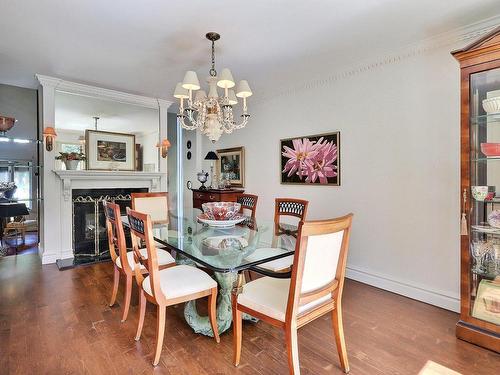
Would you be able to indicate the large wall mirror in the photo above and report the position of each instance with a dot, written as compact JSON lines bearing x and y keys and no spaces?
{"x":132,"y":133}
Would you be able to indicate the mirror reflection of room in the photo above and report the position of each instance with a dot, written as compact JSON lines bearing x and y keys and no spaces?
{"x":102,"y":134}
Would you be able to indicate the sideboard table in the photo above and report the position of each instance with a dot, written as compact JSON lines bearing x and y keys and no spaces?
{"x":214,"y":195}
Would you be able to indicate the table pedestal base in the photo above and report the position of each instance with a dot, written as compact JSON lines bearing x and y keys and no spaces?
{"x":201,"y":324}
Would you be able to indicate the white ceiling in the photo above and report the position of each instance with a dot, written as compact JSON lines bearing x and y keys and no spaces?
{"x":75,"y":113}
{"x":144,"y":47}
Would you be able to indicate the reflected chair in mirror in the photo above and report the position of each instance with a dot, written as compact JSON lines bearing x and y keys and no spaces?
{"x":248,"y":202}
{"x":289,"y":208}
{"x":123,"y":261}
{"x":168,"y":286}
{"x":154,"y":204}
{"x":315,"y":288}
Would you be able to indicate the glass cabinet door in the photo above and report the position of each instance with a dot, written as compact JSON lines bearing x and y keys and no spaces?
{"x":484,"y":237}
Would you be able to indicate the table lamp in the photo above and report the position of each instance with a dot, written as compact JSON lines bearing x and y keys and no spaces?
{"x":211,"y":156}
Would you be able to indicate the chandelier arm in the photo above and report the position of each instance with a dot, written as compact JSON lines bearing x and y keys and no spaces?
{"x":243,"y":123}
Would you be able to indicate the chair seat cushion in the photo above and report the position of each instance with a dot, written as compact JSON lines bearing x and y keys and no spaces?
{"x":181,"y":281}
{"x":164,"y":258}
{"x":269,"y":296}
{"x":274,"y":265}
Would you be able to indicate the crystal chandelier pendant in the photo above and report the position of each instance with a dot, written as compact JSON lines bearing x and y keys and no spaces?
{"x":212,"y":114}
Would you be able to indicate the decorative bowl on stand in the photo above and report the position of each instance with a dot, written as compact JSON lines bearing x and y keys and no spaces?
{"x":221,"y":214}
{"x":221,"y":210}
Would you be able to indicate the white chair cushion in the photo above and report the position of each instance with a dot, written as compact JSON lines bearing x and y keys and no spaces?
{"x":164,"y":258}
{"x":274,"y":265}
{"x":181,"y":281}
{"x":269,"y":296}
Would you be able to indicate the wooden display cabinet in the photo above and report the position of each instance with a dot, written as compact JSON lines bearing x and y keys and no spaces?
{"x":480,"y":245}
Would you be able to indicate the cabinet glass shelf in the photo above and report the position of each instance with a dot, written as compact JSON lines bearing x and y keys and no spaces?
{"x":485,"y":120}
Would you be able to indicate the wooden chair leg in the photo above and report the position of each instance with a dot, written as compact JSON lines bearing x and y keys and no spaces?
{"x":338,"y":330}
{"x":162,"y":313}
{"x":237,"y":332}
{"x":116,"y":281}
{"x":142,"y":313}
{"x":212,"y":314}
{"x":292,"y":349}
{"x":128,"y":295}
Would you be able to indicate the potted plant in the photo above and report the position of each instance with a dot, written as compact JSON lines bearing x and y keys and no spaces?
{"x":71,"y":159}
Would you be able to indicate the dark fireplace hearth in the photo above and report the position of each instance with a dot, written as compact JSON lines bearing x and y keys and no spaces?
{"x":90,"y":243}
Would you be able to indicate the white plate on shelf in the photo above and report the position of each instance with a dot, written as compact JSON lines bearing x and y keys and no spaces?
{"x":485,"y":229}
{"x":221,"y":223}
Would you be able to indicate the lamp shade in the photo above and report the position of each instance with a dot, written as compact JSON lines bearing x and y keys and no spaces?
{"x":200,"y":96}
{"x":180,"y":92}
{"x":49,"y":131}
{"x":164,"y":143}
{"x":211,"y":156}
{"x":212,"y":92}
{"x":190,"y":81}
{"x":233,"y":100}
{"x":243,"y":89}
{"x":226,"y":80}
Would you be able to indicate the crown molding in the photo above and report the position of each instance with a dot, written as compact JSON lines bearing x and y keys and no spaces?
{"x":460,"y":35}
{"x":100,"y":92}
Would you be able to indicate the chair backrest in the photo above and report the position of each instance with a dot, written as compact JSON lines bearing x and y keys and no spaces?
{"x":141,"y":231}
{"x":116,"y":235}
{"x":153,"y":204}
{"x":249,"y":202}
{"x":288,"y":207}
{"x":319,"y":263}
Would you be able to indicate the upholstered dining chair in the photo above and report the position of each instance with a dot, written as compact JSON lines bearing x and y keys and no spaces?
{"x":248,"y":202}
{"x":123,"y":261}
{"x":153,"y":204}
{"x":166,"y":287}
{"x":315,"y":288}
{"x":283,"y":207}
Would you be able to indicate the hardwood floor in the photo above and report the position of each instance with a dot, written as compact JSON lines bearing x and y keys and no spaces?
{"x":54,"y":322}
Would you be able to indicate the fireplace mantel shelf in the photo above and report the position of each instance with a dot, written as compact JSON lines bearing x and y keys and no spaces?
{"x":67,"y":176}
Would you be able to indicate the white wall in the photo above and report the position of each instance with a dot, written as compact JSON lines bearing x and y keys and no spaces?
{"x":399,"y":125}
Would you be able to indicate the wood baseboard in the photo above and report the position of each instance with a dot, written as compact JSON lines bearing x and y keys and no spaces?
{"x":477,"y":336}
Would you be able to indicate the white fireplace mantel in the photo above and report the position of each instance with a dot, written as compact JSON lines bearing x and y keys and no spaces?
{"x":68,"y":178}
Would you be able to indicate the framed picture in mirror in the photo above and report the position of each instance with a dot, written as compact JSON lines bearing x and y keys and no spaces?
{"x":110,"y":151}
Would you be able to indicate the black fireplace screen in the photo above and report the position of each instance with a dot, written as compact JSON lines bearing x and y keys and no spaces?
{"x":89,"y":222}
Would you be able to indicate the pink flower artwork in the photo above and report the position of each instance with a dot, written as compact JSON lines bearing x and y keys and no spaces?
{"x":311,"y":160}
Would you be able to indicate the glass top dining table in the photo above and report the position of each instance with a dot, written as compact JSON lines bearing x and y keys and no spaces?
{"x":226,"y":251}
{"x":223,"y":249}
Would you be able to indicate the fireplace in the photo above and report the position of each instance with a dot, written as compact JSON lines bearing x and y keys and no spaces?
{"x":89,"y":223}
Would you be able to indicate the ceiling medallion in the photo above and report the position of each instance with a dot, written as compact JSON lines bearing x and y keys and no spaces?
{"x":212,"y":114}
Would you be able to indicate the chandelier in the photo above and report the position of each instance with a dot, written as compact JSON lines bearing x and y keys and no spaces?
{"x":212,"y":114}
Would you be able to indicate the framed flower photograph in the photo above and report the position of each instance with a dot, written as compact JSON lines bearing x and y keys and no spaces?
{"x":231,"y":165}
{"x":110,"y":151}
{"x":311,"y":160}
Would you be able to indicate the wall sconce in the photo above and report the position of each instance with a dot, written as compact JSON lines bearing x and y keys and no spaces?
{"x":49,"y":135}
{"x":164,"y":145}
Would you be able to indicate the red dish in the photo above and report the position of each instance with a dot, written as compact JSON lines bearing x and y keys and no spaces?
{"x":490,"y":149}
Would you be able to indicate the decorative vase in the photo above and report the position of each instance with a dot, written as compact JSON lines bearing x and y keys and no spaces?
{"x":71,"y":165}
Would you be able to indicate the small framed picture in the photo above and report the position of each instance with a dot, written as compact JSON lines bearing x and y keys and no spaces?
{"x":231,"y":165}
{"x":110,"y":151}
{"x":311,"y":160}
